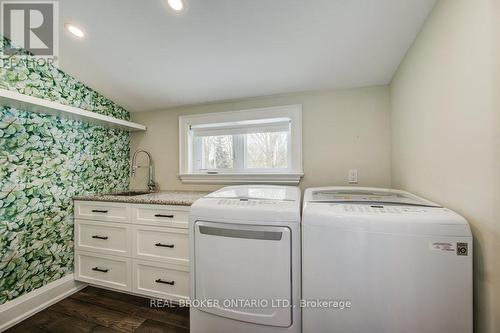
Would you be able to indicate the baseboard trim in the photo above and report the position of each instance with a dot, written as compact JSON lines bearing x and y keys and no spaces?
{"x":17,"y":310}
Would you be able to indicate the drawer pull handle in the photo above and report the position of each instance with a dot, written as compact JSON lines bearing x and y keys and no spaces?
{"x":165,"y":245}
{"x":105,"y":270}
{"x":99,"y":211}
{"x":100,"y":237}
{"x":165,"y":282}
{"x":164,"y":215}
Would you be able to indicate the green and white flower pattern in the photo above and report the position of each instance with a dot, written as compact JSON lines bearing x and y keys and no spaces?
{"x":44,"y":162}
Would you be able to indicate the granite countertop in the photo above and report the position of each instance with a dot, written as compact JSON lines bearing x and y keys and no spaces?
{"x":179,"y":198}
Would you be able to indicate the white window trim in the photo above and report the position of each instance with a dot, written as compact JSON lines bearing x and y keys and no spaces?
{"x":292,"y":176}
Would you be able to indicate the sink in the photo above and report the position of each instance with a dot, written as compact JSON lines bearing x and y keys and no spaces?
{"x":130,"y":193}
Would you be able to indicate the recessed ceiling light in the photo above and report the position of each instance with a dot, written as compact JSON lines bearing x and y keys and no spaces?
{"x":176,"y":5}
{"x":75,"y":30}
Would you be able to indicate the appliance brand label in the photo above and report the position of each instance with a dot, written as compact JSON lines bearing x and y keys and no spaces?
{"x":443,"y":246}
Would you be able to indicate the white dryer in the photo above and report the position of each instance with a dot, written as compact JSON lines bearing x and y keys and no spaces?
{"x":245,"y":260}
{"x":394,"y":262}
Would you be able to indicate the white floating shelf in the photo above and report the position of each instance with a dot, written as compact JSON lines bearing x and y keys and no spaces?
{"x":35,"y":104}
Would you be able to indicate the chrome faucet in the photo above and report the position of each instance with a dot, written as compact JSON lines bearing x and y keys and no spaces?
{"x":133,"y":167}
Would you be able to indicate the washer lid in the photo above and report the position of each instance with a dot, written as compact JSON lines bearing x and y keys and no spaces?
{"x":387,"y":219}
{"x":379,"y":210}
{"x":256,"y":192}
{"x":365,"y":195}
{"x":251,"y":204}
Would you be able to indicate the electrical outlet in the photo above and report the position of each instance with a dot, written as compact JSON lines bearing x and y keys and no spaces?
{"x":352,"y":176}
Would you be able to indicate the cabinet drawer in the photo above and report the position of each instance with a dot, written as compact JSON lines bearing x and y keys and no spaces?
{"x":102,"y":211}
{"x":104,"y":270}
{"x":166,"y":216}
{"x":161,"y":280}
{"x":161,"y":244}
{"x":103,"y":237}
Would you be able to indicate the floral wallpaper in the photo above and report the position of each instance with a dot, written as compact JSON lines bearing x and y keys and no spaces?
{"x":45,"y":161}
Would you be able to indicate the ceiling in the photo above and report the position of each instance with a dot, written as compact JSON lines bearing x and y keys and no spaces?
{"x":145,"y":57}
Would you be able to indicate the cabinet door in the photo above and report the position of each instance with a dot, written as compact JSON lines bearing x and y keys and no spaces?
{"x":102,"y":211}
{"x":239,"y":263}
{"x":103,"y":270}
{"x":161,"y":244}
{"x":165,"y":216}
{"x":103,"y":237}
{"x":160,"y":280}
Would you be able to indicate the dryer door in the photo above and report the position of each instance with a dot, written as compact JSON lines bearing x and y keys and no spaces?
{"x":245,"y":270}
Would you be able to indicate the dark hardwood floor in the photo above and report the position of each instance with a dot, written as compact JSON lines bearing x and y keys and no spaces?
{"x":99,"y":310}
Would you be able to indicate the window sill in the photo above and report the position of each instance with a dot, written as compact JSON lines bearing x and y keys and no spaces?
{"x":242,"y":178}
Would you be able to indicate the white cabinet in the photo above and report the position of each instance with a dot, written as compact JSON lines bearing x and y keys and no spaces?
{"x":102,"y":211}
{"x":168,"y":245}
{"x":160,"y":280}
{"x":164,"y":216}
{"x":137,"y":248}
{"x":108,"y":237}
{"x":104,"y":270}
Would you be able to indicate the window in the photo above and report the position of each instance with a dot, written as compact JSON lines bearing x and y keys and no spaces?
{"x":247,"y":145}
{"x":259,"y":145}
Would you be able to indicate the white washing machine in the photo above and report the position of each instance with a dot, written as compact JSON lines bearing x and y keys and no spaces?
{"x":245,"y":260}
{"x":392,"y":262}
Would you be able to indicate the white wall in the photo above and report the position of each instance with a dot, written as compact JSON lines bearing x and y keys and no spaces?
{"x":445,"y":131}
{"x":341,"y":130}
{"x":445,"y":125}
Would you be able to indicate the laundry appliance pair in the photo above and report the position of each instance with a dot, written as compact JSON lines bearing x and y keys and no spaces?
{"x":351,"y":260}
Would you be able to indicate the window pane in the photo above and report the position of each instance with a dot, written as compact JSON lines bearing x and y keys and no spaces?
{"x":267,"y":150}
{"x":216,"y":152}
